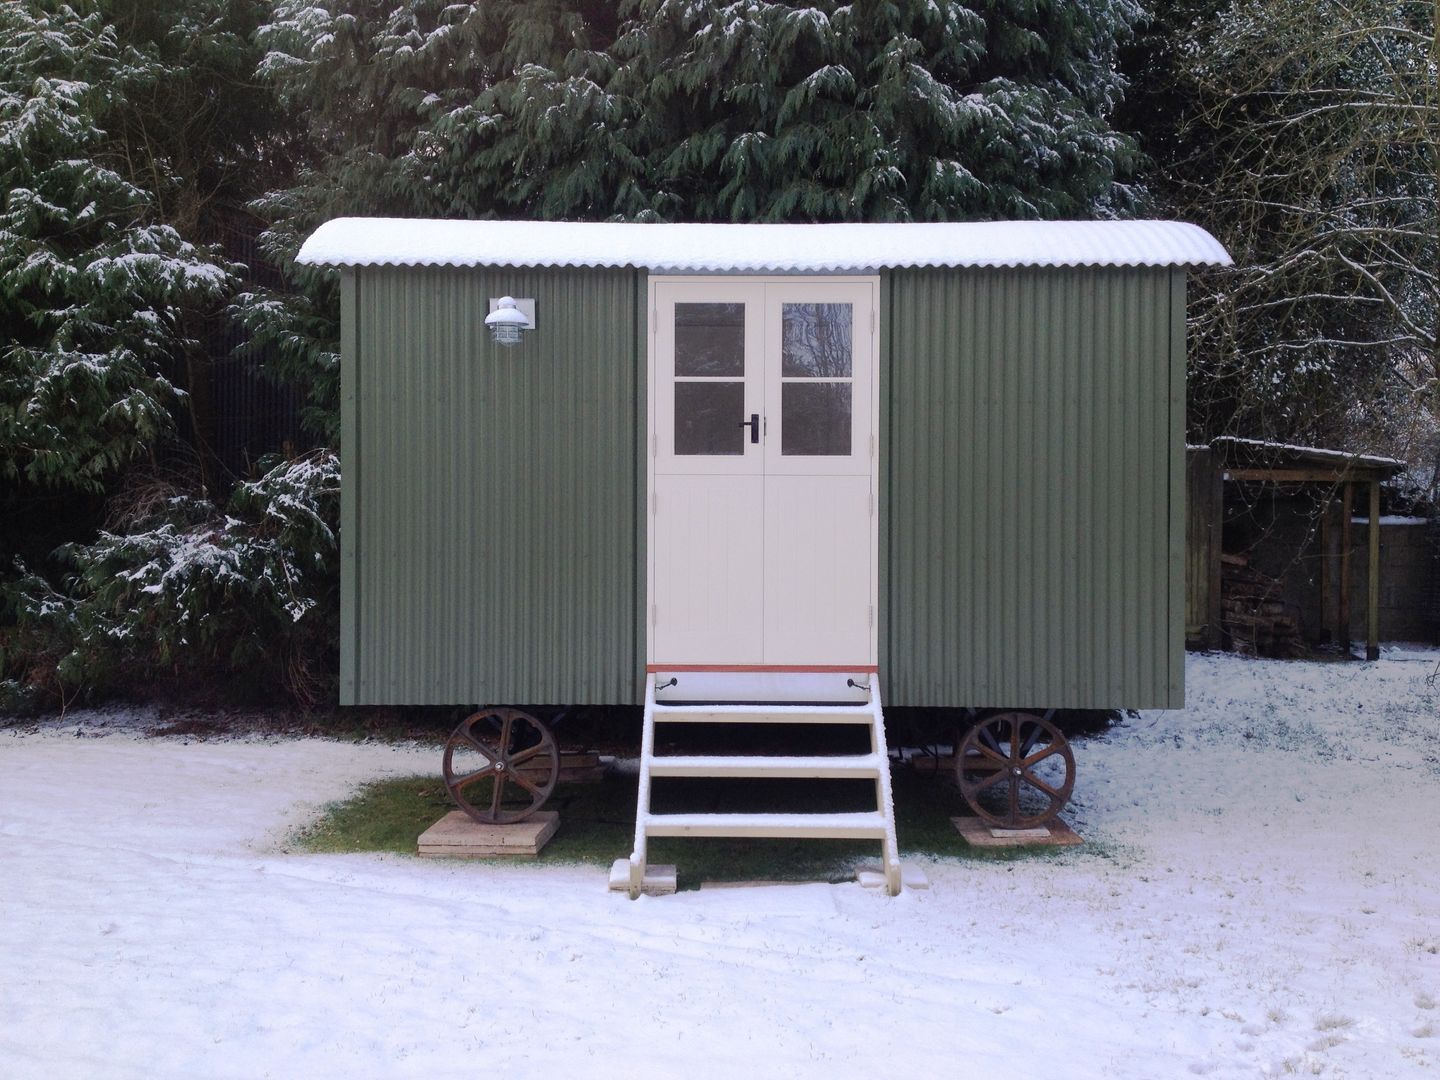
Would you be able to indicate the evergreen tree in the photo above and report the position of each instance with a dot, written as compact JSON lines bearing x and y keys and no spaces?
{"x":710,"y":110}
{"x":95,"y":290}
{"x":756,"y":111}
{"x":132,"y":133}
{"x":701,"y":110}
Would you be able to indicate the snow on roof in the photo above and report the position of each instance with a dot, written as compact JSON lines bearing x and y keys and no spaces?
{"x":759,"y":248}
{"x":1279,"y":449}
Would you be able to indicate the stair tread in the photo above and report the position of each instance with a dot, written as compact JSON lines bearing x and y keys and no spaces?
{"x":776,"y":759}
{"x":858,"y":764}
{"x":859,"y":817}
{"x":861,"y":825}
{"x":764,"y":706}
{"x":769,"y":714}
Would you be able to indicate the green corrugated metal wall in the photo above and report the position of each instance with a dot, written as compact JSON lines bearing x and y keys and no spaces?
{"x":492,"y":514}
{"x":1032,"y":486}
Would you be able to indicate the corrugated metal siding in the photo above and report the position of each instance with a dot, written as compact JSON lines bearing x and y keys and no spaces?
{"x":494,"y":499}
{"x":1032,"y":444}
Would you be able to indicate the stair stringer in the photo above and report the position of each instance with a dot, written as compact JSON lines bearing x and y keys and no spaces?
{"x":878,"y":825}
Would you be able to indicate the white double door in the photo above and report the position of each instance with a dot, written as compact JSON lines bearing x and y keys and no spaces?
{"x":762,"y":487}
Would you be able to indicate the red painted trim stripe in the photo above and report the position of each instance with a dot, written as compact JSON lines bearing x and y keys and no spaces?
{"x":797,"y":669}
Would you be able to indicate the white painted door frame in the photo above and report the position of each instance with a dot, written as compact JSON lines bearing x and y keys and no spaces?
{"x":767,"y":293}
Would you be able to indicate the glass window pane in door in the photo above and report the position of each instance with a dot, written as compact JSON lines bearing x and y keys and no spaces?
{"x":710,"y":339}
{"x":815,"y":419}
{"x":708,"y":416}
{"x":816,"y":340}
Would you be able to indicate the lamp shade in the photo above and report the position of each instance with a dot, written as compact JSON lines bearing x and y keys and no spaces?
{"x":506,"y":321}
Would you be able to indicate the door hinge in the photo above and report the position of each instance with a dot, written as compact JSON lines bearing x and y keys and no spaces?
{"x":872,"y":614}
{"x":652,"y":614}
{"x":654,"y":502}
{"x":655,"y":445}
{"x":874,"y":321}
{"x":872,"y":504}
{"x":655,"y":319}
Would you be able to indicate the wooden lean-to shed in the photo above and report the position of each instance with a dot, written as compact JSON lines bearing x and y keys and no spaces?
{"x":763,"y":462}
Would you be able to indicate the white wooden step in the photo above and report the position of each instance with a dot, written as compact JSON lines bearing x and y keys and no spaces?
{"x":861,"y":826}
{"x":758,"y":708}
{"x":761,"y":714}
{"x":857,"y":766}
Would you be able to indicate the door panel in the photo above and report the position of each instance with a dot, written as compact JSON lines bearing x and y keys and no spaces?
{"x":817,"y":569}
{"x":709,"y":598}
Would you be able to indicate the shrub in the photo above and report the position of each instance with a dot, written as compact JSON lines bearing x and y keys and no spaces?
{"x":181,"y":592}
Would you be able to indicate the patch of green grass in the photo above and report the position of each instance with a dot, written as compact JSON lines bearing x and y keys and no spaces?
{"x":597,"y":823}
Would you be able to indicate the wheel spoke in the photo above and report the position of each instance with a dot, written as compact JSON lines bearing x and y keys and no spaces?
{"x":1034,"y":781}
{"x":993,"y":755}
{"x":461,"y":781}
{"x":1039,"y":756}
{"x":480,"y":747}
{"x":520,"y":779}
{"x":987,"y":738}
{"x":1014,"y":798}
{"x":989,"y":782}
{"x":497,"y":795}
{"x":1015,"y":754}
{"x":1029,"y":744}
{"x":526,"y":755}
{"x":505,"y":726}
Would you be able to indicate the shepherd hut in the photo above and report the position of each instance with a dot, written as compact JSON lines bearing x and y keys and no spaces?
{"x":757,"y":472}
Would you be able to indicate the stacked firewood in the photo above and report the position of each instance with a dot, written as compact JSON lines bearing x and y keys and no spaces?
{"x":1255,"y":619}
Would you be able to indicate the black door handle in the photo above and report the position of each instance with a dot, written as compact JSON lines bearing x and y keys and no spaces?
{"x":754,"y":425}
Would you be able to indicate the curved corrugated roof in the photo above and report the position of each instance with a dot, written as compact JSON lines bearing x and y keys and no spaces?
{"x":672,"y":248}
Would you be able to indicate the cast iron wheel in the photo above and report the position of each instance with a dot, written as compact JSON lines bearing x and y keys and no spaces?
{"x":1015,"y":770}
{"x":501,"y":765}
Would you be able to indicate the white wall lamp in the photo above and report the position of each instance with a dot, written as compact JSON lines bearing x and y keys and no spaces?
{"x":508,"y":317}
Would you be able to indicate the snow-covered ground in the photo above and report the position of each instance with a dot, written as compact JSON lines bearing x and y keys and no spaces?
{"x":1260,"y":897}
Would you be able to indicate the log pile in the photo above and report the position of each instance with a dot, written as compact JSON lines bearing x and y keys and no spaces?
{"x":1255,"y":619}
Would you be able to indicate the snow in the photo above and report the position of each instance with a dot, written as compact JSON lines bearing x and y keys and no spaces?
{"x":670,"y":248}
{"x":1256,"y":897}
{"x":1309,"y":451}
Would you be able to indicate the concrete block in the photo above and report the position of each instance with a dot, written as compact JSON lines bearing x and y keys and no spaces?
{"x":911,"y":877}
{"x":457,"y":835}
{"x":660,"y":880}
{"x":980,"y":833}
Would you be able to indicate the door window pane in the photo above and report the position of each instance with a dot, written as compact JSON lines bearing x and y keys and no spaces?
{"x":710,"y":339}
{"x":815,"y":341}
{"x":708,"y":417}
{"x":815,"y":419}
